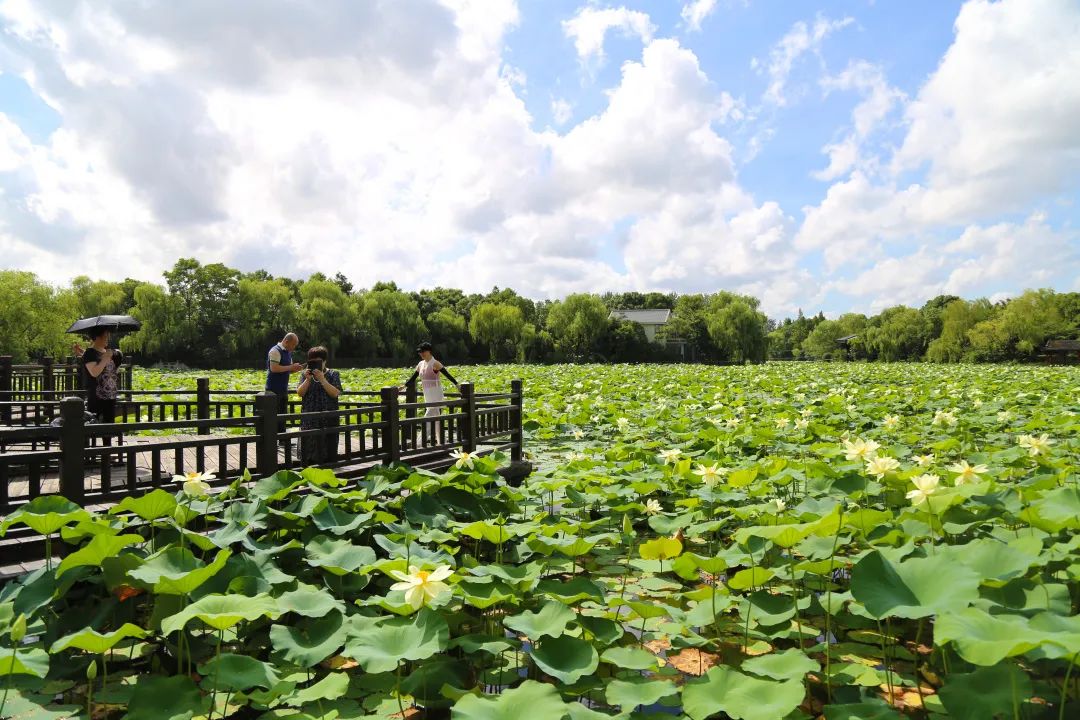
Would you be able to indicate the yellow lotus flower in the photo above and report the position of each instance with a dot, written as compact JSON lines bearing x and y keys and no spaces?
{"x":653,"y":507}
{"x":1035,"y":445}
{"x":802,"y":424}
{"x":732,"y":422}
{"x":670,"y":457}
{"x":859,"y":449}
{"x":881,"y":466}
{"x":891,"y":421}
{"x":967,"y":473}
{"x":923,"y":460}
{"x":463,"y":459}
{"x":925,"y":486}
{"x":578,"y":434}
{"x":195,"y":483}
{"x":1004,"y":416}
{"x":422,"y":586}
{"x":779,"y":504}
{"x":781,"y":422}
{"x":710,"y":474}
{"x":623,"y":423}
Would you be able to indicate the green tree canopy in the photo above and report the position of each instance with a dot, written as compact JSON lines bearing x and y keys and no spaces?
{"x":576,"y":323}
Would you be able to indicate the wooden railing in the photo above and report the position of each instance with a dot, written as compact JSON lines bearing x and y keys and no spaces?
{"x":93,"y":464}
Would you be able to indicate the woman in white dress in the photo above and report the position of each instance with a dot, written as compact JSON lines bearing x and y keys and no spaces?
{"x":428,"y":370}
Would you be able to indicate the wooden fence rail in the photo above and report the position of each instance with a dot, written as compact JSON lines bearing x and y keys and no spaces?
{"x":96,"y":464}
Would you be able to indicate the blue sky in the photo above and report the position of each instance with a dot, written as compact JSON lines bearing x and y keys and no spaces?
{"x":848,"y":155}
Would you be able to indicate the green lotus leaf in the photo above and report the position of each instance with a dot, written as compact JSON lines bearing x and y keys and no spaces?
{"x":330,"y":687}
{"x":28,"y":661}
{"x":483,"y":595}
{"x":742,"y":697}
{"x":742,"y":477}
{"x":97,"y":551}
{"x":986,"y":693}
{"x":878,"y":710}
{"x":309,"y":601}
{"x":176,"y":571}
{"x":630,"y":658}
{"x":1063,"y":635}
{"x":638,"y":691}
{"x":310,"y":641}
{"x":572,"y":591}
{"x":526,"y":574}
{"x":489,"y":531}
{"x":791,"y":664}
{"x":381,"y":647}
{"x":334,"y":520}
{"x":278,"y":486}
{"x":663,"y":548}
{"x":994,"y":560}
{"x":766,"y":608}
{"x":237,"y":672}
{"x":490,"y":644}
{"x":1056,"y":510}
{"x":750,"y":577}
{"x":984,"y":639}
{"x":602,"y":630}
{"x":533,"y":700}
{"x":425,"y":683}
{"x":550,"y":621}
{"x":221,"y":612}
{"x":45,"y":515}
{"x":914,"y":588}
{"x":154,"y":505}
{"x":92,"y":641}
{"x":565,"y":658}
{"x":338,"y":556}
{"x":166,"y":698}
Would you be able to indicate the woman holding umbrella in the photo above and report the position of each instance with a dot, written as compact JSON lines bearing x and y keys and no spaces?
{"x":100,"y":375}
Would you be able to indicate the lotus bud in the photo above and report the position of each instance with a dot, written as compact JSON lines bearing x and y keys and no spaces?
{"x":91,"y":671}
{"x":18,"y":629}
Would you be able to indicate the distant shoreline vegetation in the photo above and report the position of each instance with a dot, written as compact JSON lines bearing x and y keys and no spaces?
{"x":214,"y":316}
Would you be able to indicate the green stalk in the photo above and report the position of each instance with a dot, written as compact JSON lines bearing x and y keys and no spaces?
{"x":1065,"y":686}
{"x":397,"y":690}
{"x":7,"y":685}
{"x":217,"y":671}
{"x":828,"y":612}
{"x":795,"y":595}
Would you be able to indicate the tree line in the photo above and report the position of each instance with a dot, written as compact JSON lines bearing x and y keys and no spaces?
{"x":211,"y":315}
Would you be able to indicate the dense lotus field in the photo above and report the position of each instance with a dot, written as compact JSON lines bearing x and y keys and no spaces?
{"x":781,"y":541}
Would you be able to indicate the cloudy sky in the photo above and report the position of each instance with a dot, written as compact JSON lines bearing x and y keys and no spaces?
{"x":845,"y":155}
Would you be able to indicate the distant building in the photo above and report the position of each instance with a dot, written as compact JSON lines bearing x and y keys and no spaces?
{"x":1062,"y":351}
{"x":650,"y":320}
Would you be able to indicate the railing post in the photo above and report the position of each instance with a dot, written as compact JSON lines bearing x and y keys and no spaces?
{"x":48,"y":380}
{"x":266,"y":427}
{"x":5,"y":389}
{"x":202,"y":404}
{"x":468,"y":424}
{"x":410,"y":397}
{"x":72,"y":450}
{"x":516,"y":434}
{"x":389,"y":398}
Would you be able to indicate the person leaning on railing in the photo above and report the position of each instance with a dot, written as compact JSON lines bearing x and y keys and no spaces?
{"x":319,"y":390}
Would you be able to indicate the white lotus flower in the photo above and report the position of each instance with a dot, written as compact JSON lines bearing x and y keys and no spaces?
{"x":881,"y":466}
{"x":944,"y":417}
{"x":923,"y":460}
{"x":195,"y":484}
{"x":732,"y":422}
{"x":859,"y":449}
{"x":710,"y":474}
{"x":653,"y":507}
{"x":1004,"y":416}
{"x":463,"y":459}
{"x":891,"y":421}
{"x":1035,"y":445}
{"x":422,"y":586}
{"x":806,"y":412}
{"x":779,"y":504}
{"x":670,"y":457}
{"x":781,"y":422}
{"x":802,"y":424}
{"x":967,"y":473}
{"x":925,"y":486}
{"x":623,"y":423}
{"x":578,"y":433}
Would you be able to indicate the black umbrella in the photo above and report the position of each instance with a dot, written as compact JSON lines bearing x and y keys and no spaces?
{"x":116,"y":323}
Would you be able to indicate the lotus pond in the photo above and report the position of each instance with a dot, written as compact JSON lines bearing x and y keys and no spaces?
{"x":783,"y":541}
